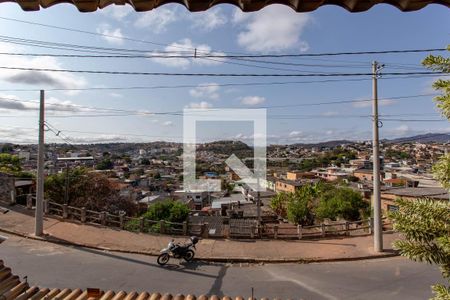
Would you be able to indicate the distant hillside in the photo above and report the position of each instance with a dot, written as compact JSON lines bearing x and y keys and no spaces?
{"x":424,"y":138}
{"x":227,"y":147}
{"x":327,"y":144}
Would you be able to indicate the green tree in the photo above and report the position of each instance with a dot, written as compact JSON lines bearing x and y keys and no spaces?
{"x":425,"y":225}
{"x":90,"y":190}
{"x":105,"y":164}
{"x":300,"y":204}
{"x":441,"y":171}
{"x":441,"y":64}
{"x":341,"y":202}
{"x":11,"y":164}
{"x":279,"y":202}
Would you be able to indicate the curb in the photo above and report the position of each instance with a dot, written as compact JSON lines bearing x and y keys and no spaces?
{"x":250,"y":260}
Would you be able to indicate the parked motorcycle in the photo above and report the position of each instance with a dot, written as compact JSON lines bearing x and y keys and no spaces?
{"x":177,"y":250}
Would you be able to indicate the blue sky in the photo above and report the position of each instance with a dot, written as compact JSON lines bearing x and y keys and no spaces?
{"x":223,"y":29}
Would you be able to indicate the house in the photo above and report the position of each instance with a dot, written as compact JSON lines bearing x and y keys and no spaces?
{"x":200,"y":198}
{"x":297,"y":175}
{"x":331,"y":174}
{"x":411,"y":193}
{"x":287,"y":186}
{"x":365,"y":174}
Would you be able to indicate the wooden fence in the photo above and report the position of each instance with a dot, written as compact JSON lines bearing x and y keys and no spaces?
{"x":208,"y":226}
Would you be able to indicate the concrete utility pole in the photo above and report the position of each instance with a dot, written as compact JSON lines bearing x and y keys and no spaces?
{"x":39,"y":227}
{"x":376,"y":201}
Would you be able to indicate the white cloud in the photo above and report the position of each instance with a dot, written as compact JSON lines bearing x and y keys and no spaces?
{"x":200,"y":105}
{"x":295,"y":133}
{"x":156,"y":20}
{"x":274,"y":28}
{"x":36,"y":78}
{"x":206,"y":91}
{"x":330,"y":113}
{"x":208,"y":20}
{"x":368,"y":103}
{"x":252,"y":100}
{"x":112,"y":36}
{"x":180,"y":48}
{"x":167,"y":123}
{"x":116,"y":95}
{"x":12,"y":102}
{"x":402,"y":128}
{"x":117,"y":12}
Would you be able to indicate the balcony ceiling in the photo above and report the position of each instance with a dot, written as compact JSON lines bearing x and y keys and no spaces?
{"x":245,"y":5}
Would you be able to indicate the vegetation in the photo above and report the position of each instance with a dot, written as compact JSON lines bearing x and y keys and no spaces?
{"x":337,"y":157}
{"x":425,"y":225}
{"x":319,"y":201}
{"x":105,"y":164}
{"x":342,"y":203}
{"x":11,"y":164}
{"x":170,"y":210}
{"x":90,"y":190}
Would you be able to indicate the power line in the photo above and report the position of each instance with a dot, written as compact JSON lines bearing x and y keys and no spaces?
{"x":214,"y":74}
{"x":219,"y":85}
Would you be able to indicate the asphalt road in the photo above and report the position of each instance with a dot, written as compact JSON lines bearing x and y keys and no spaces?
{"x":57,"y":266}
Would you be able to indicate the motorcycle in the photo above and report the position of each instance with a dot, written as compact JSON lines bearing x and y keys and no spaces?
{"x":177,"y":250}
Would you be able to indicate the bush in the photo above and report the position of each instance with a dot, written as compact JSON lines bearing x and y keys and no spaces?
{"x":341,"y":202}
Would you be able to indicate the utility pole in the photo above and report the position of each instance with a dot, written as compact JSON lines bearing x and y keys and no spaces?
{"x":376,"y":201}
{"x":39,"y":226}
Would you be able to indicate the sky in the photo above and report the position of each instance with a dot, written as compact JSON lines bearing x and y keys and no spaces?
{"x":296,"y":112}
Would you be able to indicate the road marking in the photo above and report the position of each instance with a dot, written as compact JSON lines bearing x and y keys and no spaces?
{"x":306,"y":286}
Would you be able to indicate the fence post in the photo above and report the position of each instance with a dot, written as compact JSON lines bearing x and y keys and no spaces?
{"x":370,"y":225}
{"x":185,"y":228}
{"x":205,"y":233}
{"x":46,"y":210}
{"x":83,"y":215}
{"x":13,"y":197}
{"x":29,"y":201}
{"x":162,"y":226}
{"x":121,"y":219}
{"x":275,"y":231}
{"x":323,"y":230}
{"x":300,"y":231}
{"x":65,"y":211}
{"x":103,"y":218}
{"x":252,"y":231}
{"x":141,"y":224}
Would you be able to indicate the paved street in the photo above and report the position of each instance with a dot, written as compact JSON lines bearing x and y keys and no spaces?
{"x":52,"y":265}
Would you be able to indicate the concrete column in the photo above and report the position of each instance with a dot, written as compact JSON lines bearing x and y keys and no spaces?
{"x":122,"y":220}
{"x":65,"y":211}
{"x":29,"y":202}
{"x":141,"y":224}
{"x":13,"y":197}
{"x":46,"y":210}
{"x":83,"y":215}
{"x":205,"y":233}
{"x":162,"y":226}
{"x":323,"y":230}
{"x":300,"y":231}
{"x":185,"y":228}
{"x":103,"y":218}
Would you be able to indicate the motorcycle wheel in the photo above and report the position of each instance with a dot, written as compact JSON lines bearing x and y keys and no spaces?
{"x":189,"y":255}
{"x":163,"y":259}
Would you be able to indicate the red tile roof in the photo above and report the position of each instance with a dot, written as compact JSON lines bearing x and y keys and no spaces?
{"x":245,"y":5}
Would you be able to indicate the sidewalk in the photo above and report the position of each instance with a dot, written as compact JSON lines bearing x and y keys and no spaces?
{"x":21,"y":221}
